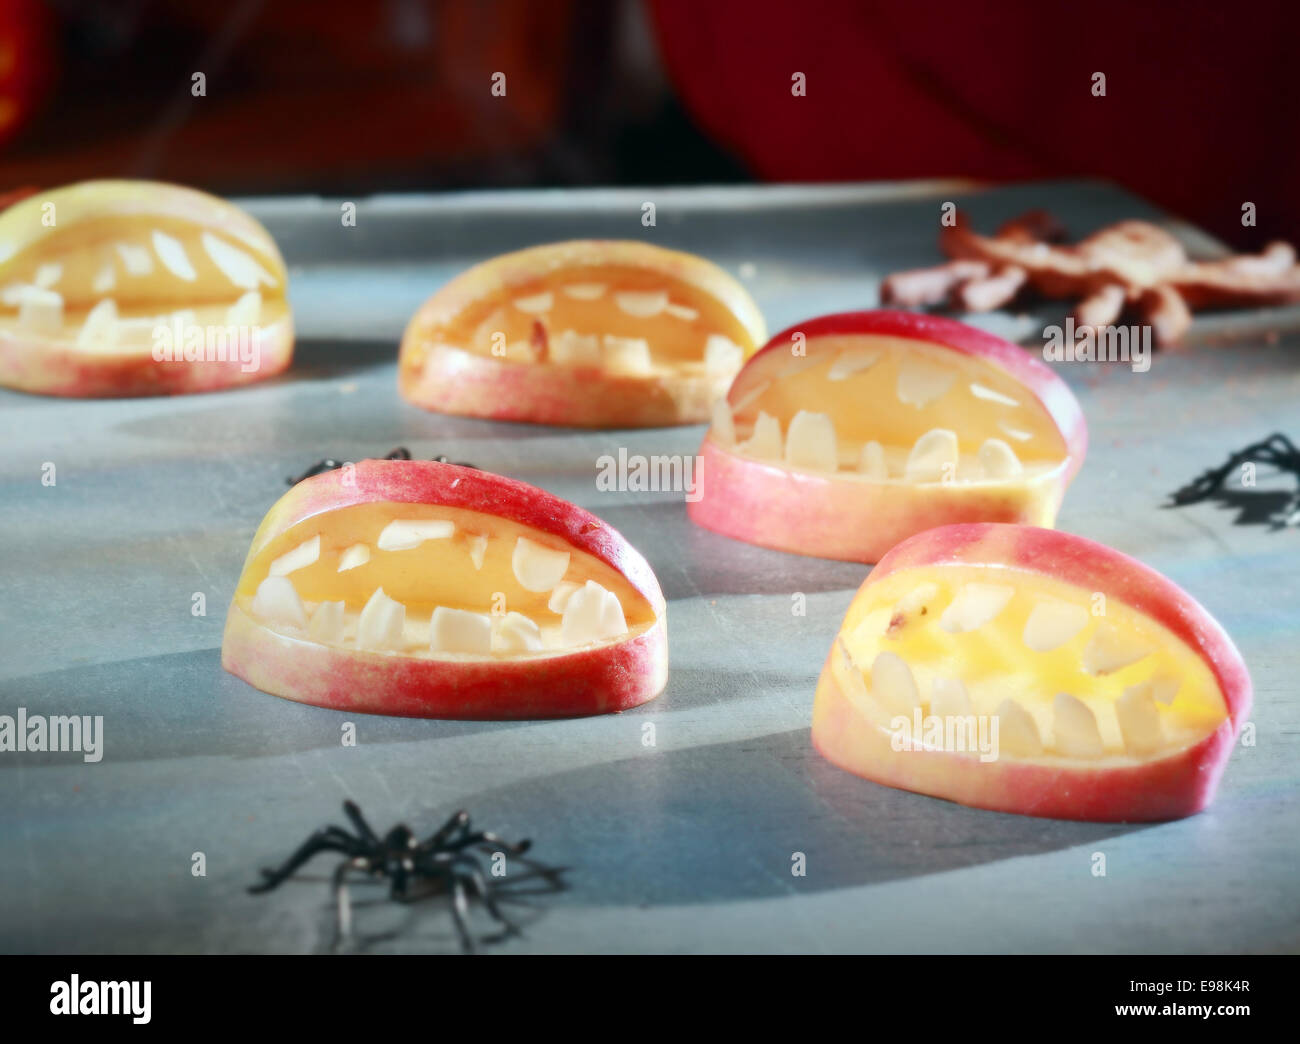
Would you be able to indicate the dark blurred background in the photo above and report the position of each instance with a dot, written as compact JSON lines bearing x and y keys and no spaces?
{"x":349,"y":98}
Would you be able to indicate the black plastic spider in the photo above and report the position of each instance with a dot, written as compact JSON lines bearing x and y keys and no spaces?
{"x":1276,"y":451}
{"x":330,"y":464}
{"x":446,"y":860}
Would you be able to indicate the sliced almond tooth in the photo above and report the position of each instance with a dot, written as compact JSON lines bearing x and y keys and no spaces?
{"x":135,"y":259}
{"x":171,"y":252}
{"x":404,"y":534}
{"x":1111,"y":649}
{"x":810,"y":442}
{"x":765,"y":442}
{"x":1164,"y":687}
{"x":584,"y":291}
{"x":356,"y":555}
{"x":641,"y":303}
{"x":872,"y":463}
{"x":516,"y":633}
{"x":240,"y":267}
{"x":921,"y":383}
{"x":246,"y":311}
{"x":999,"y":460}
{"x":41,"y":311}
{"x":974,"y":605}
{"x":917,"y":598}
{"x":105,"y":279}
{"x":850,"y":677}
{"x":724,"y":425}
{"x":1017,"y":731}
{"x":1074,"y":728}
{"x":949,"y":698}
{"x":381,"y":623}
{"x":12,"y":295}
{"x":933,"y":458}
{"x":722,"y":354}
{"x":561,"y":595}
{"x":477,"y":549}
{"x":460,"y":631}
{"x":592,"y":614}
{"x":536,"y":304}
{"x":100,"y":328}
{"x":537,"y":567}
{"x":48,"y":274}
{"x":678,"y":311}
{"x":1013,"y":432}
{"x":1139,"y":719}
{"x":892,"y":683}
{"x":629,"y":356}
{"x":570,"y":348}
{"x":1052,"y":623}
{"x":989,"y":395}
{"x":300,"y":557}
{"x":327,"y":623}
{"x":277,"y":602}
{"x":853,"y":360}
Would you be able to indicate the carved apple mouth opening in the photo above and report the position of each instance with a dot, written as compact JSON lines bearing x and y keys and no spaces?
{"x":107,"y":285}
{"x":1067,"y":687}
{"x":620,"y":320}
{"x":889,"y":410}
{"x":433,"y":582}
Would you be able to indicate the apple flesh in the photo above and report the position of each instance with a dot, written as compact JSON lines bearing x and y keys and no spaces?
{"x":478,"y":597}
{"x":589,"y":333}
{"x":121,"y":288}
{"x":888,"y":424}
{"x":1114,"y":694}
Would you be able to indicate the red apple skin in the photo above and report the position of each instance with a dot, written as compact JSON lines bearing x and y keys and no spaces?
{"x":1170,"y":787}
{"x":449,"y":379}
{"x":43,"y":366}
{"x":765,"y":504}
{"x":597,"y":680}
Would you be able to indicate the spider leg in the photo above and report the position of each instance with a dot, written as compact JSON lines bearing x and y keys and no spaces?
{"x":485,"y":839}
{"x":460,"y":914}
{"x":458,"y":821}
{"x":331,"y":839}
{"x":359,"y":821}
{"x":343,"y":900}
{"x":474,"y":874}
{"x":400,"y":882}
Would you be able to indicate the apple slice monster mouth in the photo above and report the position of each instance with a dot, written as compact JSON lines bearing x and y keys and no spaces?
{"x":426,"y":589}
{"x":117,"y":288}
{"x":1114,"y":694}
{"x":588,"y":333}
{"x":886,"y":424}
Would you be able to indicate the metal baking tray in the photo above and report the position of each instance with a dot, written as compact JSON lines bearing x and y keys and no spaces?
{"x":686,"y":845}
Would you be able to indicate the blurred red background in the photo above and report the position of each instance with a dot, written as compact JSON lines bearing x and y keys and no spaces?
{"x":1199,"y":113}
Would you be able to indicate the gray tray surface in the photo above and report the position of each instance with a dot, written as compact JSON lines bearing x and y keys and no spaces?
{"x":683,"y":846}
